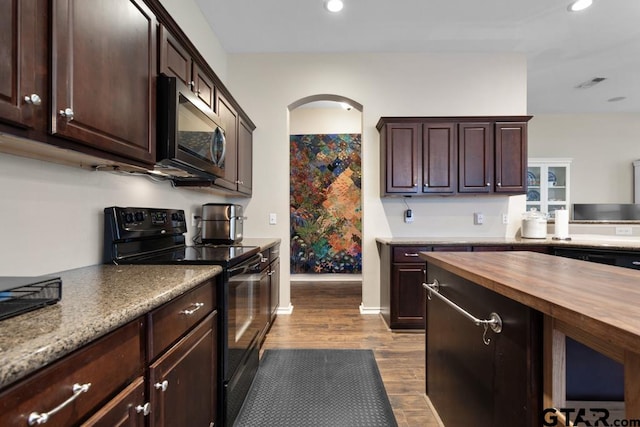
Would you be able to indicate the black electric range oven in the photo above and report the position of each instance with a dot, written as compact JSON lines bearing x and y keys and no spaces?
{"x":156,"y":236}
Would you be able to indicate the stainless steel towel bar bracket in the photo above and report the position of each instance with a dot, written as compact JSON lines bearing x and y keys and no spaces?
{"x":494,"y":322}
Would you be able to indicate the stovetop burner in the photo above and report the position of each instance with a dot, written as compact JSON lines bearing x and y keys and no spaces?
{"x":156,"y":236}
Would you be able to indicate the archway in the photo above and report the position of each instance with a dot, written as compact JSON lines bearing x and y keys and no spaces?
{"x":325,"y":188}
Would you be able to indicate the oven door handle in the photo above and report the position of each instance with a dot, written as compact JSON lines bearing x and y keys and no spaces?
{"x":252,"y":263}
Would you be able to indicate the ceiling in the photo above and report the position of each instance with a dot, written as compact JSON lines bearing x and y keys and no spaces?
{"x":563,"y":49}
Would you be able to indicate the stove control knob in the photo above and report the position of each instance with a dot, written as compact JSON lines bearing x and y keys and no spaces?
{"x":128,"y":217}
{"x":139,"y":216}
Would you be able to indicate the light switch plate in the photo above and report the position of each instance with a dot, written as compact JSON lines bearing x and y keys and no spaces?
{"x":273,"y":219}
{"x":478,"y":218}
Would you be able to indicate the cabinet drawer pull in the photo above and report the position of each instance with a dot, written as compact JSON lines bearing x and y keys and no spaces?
{"x":635,"y":262}
{"x":411,"y":255}
{"x":36,"y":418}
{"x":162,"y":386}
{"x":197,"y":306}
{"x":144,"y":409}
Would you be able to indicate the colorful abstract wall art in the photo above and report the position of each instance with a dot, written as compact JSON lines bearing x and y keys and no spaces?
{"x":326,"y":212}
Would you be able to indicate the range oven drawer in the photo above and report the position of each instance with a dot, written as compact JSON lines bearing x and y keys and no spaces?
{"x":171,"y":321}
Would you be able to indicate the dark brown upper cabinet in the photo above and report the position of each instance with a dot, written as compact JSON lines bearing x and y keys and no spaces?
{"x":175,"y":60}
{"x":423,"y":156}
{"x":239,"y":149}
{"x":23,"y":62}
{"x":511,"y":157}
{"x":439,"y":158}
{"x":245,"y":157}
{"x":399,"y":157}
{"x":229,"y":118}
{"x":476,"y":157}
{"x":103,"y":76}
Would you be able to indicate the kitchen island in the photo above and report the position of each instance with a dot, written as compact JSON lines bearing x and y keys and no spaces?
{"x":592,"y":303}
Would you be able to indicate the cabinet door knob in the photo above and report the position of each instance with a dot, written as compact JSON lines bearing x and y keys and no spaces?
{"x":499,"y":184}
{"x":192,"y":83}
{"x":67,"y":113}
{"x":33,"y":99}
{"x":488,"y":184}
{"x":144,"y":409}
{"x":162,"y":386}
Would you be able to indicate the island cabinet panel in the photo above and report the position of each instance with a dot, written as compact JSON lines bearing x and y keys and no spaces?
{"x":469,"y":382}
{"x":103,"y":76}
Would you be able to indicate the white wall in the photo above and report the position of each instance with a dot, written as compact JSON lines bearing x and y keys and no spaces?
{"x":51,"y":216}
{"x":603,"y":148}
{"x":303,"y":121}
{"x":386,"y":85}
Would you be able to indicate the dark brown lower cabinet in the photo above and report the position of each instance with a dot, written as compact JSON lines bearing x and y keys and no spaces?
{"x":183,"y":380}
{"x":473,"y":383}
{"x":407,"y":297}
{"x":127,"y":409}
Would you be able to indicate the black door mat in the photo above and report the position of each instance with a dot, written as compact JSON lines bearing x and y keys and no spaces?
{"x":305,"y":388}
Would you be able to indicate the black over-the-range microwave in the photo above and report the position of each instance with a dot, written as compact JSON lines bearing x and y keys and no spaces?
{"x":191,"y":139}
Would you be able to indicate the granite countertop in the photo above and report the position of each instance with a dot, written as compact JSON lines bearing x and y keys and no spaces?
{"x":263,"y":242}
{"x":95,"y":300}
{"x":577,"y":241}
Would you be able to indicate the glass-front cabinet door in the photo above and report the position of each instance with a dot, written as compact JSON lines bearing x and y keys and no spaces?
{"x":548,"y":185}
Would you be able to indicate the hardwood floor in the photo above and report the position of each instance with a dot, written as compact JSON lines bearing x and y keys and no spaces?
{"x":326,"y":315}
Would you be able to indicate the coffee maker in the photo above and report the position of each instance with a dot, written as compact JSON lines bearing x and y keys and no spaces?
{"x":222,"y":223}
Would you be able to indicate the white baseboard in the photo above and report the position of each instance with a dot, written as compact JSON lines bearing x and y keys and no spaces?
{"x":285,"y":310}
{"x":369,"y":310}
{"x":328,"y":277}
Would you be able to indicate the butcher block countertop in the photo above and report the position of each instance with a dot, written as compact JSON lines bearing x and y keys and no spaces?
{"x":95,"y":300}
{"x":600,"y":300}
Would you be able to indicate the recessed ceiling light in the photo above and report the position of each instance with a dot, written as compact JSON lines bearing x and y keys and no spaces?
{"x":333,"y":5}
{"x":578,"y":5}
{"x":617,"y":98}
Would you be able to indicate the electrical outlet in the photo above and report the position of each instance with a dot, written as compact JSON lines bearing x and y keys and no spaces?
{"x":478,"y":218}
{"x":273,"y":219}
{"x":505,"y":219}
{"x":408,"y":216}
{"x":624,"y":231}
